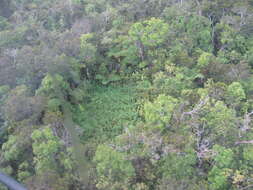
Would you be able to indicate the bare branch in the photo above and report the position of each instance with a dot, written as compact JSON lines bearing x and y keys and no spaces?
{"x":246,"y":122}
{"x":247,"y":187}
{"x":244,"y":142}
{"x":196,"y":109}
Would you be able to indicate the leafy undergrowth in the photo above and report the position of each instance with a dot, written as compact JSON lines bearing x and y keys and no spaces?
{"x":107,"y":112}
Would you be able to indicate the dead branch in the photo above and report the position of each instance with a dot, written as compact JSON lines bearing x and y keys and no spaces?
{"x":196,"y":109}
{"x":244,"y":142}
{"x":246,"y":123}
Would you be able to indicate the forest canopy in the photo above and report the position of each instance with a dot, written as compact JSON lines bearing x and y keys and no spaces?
{"x":127,"y":94}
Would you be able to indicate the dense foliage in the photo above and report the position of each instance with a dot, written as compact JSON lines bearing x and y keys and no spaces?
{"x":127,"y":94}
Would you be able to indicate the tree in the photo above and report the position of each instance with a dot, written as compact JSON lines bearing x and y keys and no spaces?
{"x":160,"y":112}
{"x":19,"y":106}
{"x":222,"y":168}
{"x":113,"y":169}
{"x":141,"y":47}
{"x":235,"y":94}
{"x":51,"y":158}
